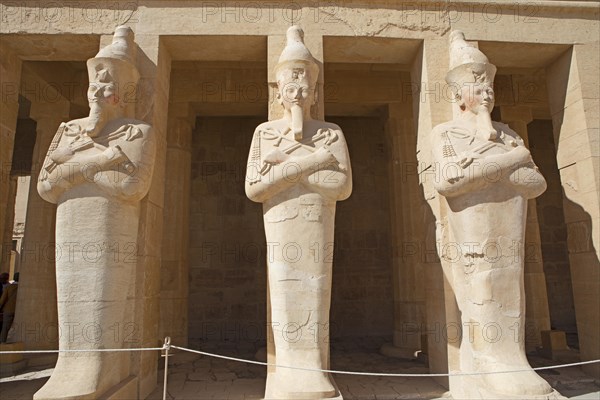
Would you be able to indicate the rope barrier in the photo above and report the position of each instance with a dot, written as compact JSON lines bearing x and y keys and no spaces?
{"x":167,"y":346}
{"x":79,"y":350}
{"x":332,"y":371}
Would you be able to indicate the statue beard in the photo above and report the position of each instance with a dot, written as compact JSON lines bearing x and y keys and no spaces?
{"x":96,"y":120}
{"x":297,"y":121}
{"x":484,"y":124}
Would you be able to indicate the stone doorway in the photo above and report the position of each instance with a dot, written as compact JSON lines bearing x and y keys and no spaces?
{"x":362,"y":292}
{"x":227,"y":276}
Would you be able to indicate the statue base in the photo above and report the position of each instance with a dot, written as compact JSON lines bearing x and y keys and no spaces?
{"x":470,"y":387}
{"x":270,"y":395}
{"x":551,"y":396}
{"x":124,"y":390}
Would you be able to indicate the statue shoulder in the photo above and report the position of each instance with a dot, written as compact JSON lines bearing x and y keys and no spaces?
{"x":78,"y":121}
{"x":332,"y":126}
{"x":441,"y":128}
{"x":502,"y":127}
{"x":505,"y":130}
{"x":265,"y":125}
{"x":145,"y":128}
{"x":73,"y":127}
{"x":455,"y":126}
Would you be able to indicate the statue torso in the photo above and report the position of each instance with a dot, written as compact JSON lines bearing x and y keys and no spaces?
{"x":302,"y":198}
{"x":496,"y":210}
{"x":73,"y":148}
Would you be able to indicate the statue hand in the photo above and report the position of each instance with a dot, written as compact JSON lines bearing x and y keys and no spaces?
{"x":466,"y":158}
{"x":61,"y":155}
{"x":112,"y":155}
{"x":324,"y":156}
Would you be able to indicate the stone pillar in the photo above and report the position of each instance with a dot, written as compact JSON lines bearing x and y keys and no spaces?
{"x":174,"y":271}
{"x":36,"y":316}
{"x":9,"y":222}
{"x":536,"y":296}
{"x":431,"y":106}
{"x":409,"y":285}
{"x":574,"y":96}
{"x":151,"y":105}
{"x":10,"y":80}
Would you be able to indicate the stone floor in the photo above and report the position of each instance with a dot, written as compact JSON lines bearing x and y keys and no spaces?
{"x":193,"y":376}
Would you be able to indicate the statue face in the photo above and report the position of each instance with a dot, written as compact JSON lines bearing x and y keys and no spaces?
{"x":295,"y":88}
{"x":103,"y":94}
{"x":477,"y":97}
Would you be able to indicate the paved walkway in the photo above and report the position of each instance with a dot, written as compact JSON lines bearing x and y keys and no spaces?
{"x":197,"y":377}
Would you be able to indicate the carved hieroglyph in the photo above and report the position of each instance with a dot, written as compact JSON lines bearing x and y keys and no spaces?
{"x":298,"y":168}
{"x":97,"y":170}
{"x":486,"y":174}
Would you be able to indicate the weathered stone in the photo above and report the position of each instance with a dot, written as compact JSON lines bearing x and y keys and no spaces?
{"x":298,"y":168}
{"x":489,"y":286}
{"x":94,"y":281}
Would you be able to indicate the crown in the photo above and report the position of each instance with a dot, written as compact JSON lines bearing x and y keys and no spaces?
{"x":295,"y":52}
{"x":115,"y":62}
{"x":467,"y":63}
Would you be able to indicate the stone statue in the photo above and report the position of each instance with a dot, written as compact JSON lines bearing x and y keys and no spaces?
{"x":97,"y":170}
{"x":298,"y":168}
{"x":486,"y":174}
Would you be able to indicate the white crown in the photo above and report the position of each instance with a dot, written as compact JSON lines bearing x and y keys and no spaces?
{"x":467,"y":63}
{"x":295,"y":52}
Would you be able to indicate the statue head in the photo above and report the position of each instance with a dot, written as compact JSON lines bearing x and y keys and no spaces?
{"x":471,"y":76}
{"x":297,"y":73}
{"x":113,"y":78}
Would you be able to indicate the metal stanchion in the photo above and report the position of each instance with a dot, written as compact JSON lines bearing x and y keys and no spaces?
{"x":166,"y":347}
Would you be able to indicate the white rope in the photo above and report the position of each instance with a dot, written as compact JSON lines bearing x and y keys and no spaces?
{"x":79,"y":350}
{"x":167,"y":346}
{"x":378,"y":373}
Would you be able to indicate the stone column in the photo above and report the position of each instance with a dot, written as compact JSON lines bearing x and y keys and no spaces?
{"x":409,"y":285}
{"x":432,"y":106}
{"x":9,"y":222}
{"x":36,"y":315}
{"x":151,"y":104}
{"x":10,"y":80}
{"x":536,"y":296}
{"x":574,"y":96}
{"x":174,"y":282}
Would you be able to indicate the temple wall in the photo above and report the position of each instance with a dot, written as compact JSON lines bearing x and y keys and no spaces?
{"x":362,"y":297}
{"x":227,"y":273}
